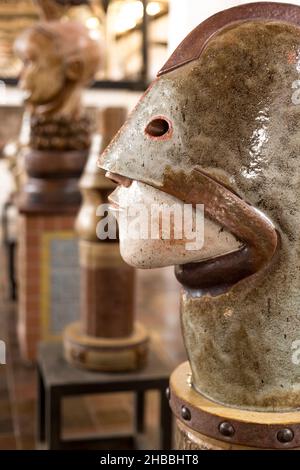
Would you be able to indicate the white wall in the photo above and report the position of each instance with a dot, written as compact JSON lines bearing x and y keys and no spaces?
{"x":187,"y":14}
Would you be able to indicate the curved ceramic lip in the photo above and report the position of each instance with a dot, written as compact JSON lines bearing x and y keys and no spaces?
{"x":163,"y":137}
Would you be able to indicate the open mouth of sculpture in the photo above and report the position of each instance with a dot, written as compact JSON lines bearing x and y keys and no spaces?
{"x":256,"y":233}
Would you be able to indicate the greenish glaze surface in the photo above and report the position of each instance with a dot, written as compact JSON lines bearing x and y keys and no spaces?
{"x":235,"y":114}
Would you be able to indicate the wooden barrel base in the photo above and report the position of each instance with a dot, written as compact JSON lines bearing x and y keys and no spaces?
{"x":106,"y":355}
{"x":187,"y":439}
{"x":203,"y":424}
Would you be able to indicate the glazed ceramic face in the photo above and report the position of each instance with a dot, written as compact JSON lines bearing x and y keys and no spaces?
{"x":42,"y":77}
{"x":167,"y":249}
{"x":224,"y":131}
{"x":231,"y":114}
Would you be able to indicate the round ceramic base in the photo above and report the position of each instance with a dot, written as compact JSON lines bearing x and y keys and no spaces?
{"x":204,"y":424}
{"x":106,"y":355}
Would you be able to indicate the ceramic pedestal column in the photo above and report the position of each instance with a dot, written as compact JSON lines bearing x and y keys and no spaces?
{"x":48,"y":205}
{"x":106,"y":338}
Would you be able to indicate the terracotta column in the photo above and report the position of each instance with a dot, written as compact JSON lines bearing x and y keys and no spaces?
{"x":48,"y":205}
{"x":107,"y":337}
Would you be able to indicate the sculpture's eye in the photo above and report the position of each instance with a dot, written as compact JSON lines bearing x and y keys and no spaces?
{"x":159,"y":127}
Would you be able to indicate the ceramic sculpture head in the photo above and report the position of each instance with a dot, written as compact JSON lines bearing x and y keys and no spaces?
{"x":220,"y":126}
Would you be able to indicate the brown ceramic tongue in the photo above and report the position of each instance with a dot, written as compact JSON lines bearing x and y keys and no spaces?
{"x":241,"y":219}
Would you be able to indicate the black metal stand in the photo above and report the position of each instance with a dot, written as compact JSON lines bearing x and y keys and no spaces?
{"x":58,"y":379}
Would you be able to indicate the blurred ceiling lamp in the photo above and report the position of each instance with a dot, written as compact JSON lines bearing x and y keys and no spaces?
{"x":127,"y":15}
{"x":153,"y":8}
{"x":96,"y":26}
{"x":92,"y":22}
{"x":88,"y":12}
{"x":91,"y":14}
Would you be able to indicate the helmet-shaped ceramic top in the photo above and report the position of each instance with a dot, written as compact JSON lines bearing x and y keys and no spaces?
{"x":227,"y":101}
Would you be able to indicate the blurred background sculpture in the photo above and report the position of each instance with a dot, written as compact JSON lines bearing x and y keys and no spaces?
{"x":60,"y":59}
{"x":107,"y":338}
{"x":219,"y":127}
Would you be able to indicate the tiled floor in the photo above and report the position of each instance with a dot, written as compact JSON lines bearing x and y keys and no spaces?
{"x":157,"y":307}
